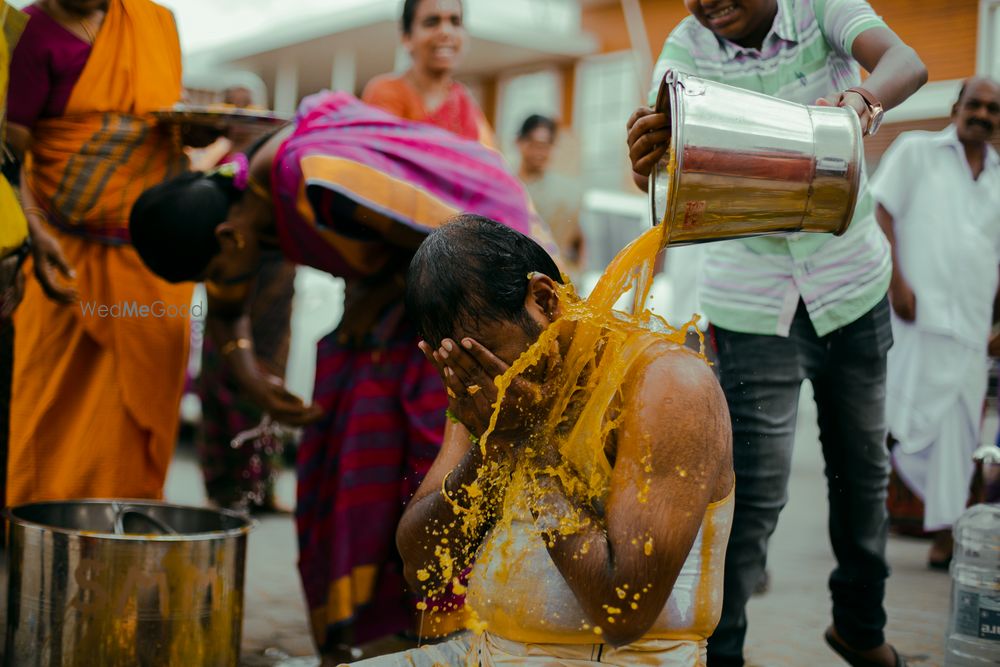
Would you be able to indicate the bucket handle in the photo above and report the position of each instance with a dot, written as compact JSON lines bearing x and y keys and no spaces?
{"x":122,"y":510}
{"x":692,"y":86}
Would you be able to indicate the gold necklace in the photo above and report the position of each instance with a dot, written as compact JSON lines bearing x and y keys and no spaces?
{"x":91,"y":36}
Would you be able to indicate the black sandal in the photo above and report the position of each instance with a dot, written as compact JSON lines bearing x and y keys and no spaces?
{"x":854,"y":658}
{"x":940,"y":565}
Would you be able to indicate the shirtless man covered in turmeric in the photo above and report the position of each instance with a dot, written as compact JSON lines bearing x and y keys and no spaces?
{"x":628,"y":574}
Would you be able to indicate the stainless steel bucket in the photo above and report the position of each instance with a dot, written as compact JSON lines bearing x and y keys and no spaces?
{"x":747,"y":164}
{"x":124,"y":583}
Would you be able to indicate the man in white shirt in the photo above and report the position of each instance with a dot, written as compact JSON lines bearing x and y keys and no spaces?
{"x":938,"y":197}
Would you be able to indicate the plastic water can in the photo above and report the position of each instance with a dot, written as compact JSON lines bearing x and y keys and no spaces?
{"x":973,"y":638}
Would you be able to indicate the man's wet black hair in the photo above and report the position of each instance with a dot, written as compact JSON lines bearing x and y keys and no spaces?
{"x":173,"y":224}
{"x":410,"y":14}
{"x":535,"y":121}
{"x":469,"y":271}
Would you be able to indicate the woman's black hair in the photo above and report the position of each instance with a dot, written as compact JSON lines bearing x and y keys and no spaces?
{"x":410,"y":14}
{"x":173,"y":224}
{"x":535,"y":121}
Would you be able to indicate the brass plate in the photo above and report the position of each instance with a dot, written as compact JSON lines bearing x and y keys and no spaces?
{"x":220,"y":116}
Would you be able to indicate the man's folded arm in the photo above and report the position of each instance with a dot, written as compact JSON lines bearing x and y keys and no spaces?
{"x":673,"y":448}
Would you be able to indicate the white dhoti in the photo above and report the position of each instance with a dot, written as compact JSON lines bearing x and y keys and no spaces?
{"x":946,"y":230}
{"x":488,"y":650}
{"x":935,"y":390}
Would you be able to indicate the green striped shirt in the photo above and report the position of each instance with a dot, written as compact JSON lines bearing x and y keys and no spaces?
{"x":755,"y":285}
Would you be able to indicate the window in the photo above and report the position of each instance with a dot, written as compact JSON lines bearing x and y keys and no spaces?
{"x":560,"y":17}
{"x":522,"y":95}
{"x":608,"y":91}
{"x":988,"y":52}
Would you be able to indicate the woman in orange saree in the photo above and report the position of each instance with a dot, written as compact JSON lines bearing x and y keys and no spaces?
{"x":435,"y":37}
{"x":98,"y":363}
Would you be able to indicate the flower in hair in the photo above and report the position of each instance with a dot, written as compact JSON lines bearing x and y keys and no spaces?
{"x":237,"y":169}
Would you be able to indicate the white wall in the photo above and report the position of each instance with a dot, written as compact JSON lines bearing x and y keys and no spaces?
{"x":199,"y":20}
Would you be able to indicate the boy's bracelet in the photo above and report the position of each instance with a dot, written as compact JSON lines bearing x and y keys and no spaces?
{"x":235,"y":344}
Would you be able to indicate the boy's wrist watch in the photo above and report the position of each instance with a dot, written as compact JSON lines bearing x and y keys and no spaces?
{"x":875,"y":110}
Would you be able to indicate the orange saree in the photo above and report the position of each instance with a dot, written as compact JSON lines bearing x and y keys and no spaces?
{"x":97,"y":384}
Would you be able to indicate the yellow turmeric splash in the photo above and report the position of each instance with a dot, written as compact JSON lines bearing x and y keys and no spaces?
{"x":605,"y":346}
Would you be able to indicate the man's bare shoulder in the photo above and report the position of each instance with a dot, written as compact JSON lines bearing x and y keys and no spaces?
{"x":676,"y":399}
{"x":667,"y":369}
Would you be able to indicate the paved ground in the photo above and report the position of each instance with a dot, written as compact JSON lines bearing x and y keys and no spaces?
{"x":786,"y":625}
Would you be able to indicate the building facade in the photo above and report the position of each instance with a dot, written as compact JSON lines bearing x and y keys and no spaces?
{"x":955,"y":38}
{"x":596,"y":93}
{"x":585,"y":62}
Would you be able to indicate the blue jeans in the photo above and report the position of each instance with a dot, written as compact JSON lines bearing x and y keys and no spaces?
{"x":762,"y":376}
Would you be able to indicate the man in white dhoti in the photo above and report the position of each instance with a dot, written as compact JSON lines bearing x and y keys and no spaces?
{"x":938,"y":199}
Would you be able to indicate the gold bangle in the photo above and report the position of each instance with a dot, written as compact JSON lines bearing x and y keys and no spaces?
{"x":444,"y":492}
{"x":237,"y":344}
{"x":37,"y":210}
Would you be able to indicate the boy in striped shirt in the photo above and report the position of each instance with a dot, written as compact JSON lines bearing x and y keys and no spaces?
{"x":799,"y":306}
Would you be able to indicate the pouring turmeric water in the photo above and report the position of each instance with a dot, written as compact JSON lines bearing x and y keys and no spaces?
{"x":583,"y":496}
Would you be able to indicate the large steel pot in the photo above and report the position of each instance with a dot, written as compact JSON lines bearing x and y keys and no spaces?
{"x":746,"y":164}
{"x":124,"y":583}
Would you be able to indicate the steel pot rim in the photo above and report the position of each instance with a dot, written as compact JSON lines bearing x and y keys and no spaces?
{"x":671,"y":87}
{"x":249,"y":523}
